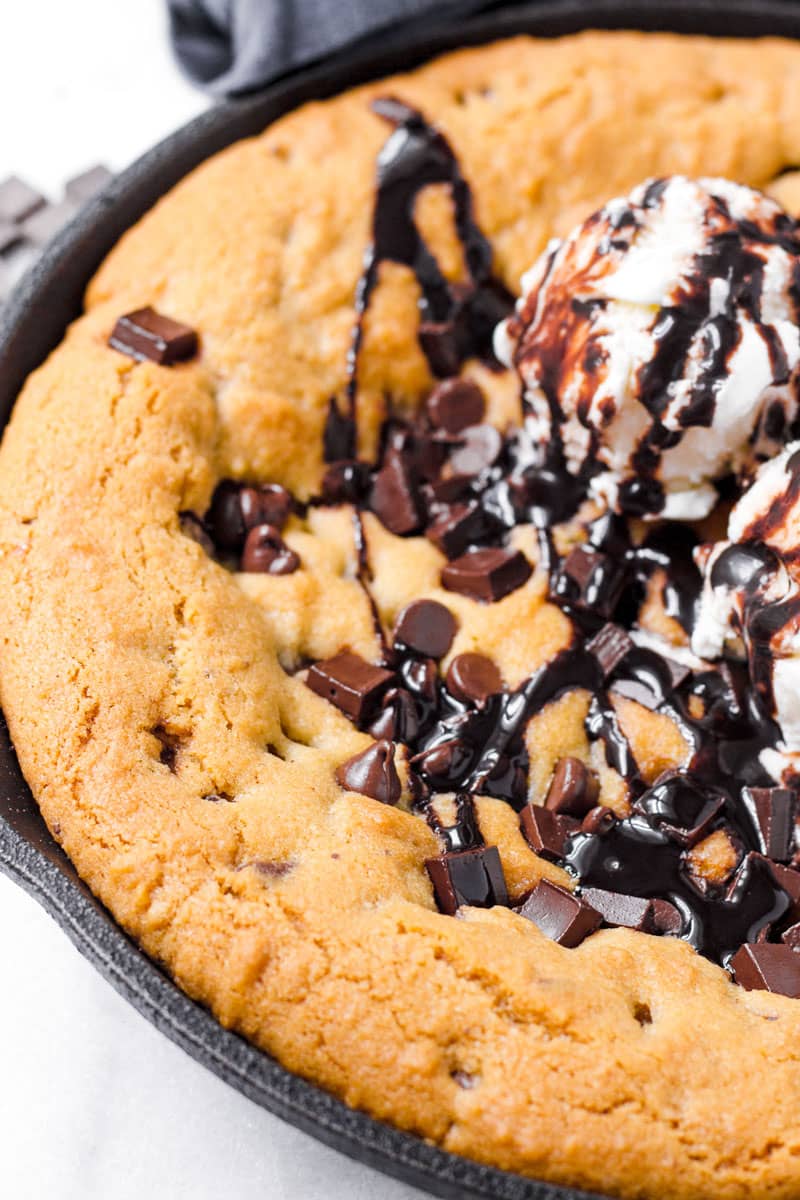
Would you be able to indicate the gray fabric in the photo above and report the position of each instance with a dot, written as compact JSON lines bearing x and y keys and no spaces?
{"x":233,"y":46}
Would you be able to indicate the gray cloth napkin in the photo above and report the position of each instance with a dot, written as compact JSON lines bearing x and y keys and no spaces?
{"x":234,"y":46}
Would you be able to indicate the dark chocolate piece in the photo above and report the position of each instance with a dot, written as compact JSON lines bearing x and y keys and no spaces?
{"x":237,"y":508}
{"x":18,"y":200}
{"x":82,"y":187}
{"x":791,"y":936}
{"x":667,"y":919}
{"x":398,"y":719}
{"x":345,"y":482}
{"x":479,"y":449}
{"x":473,"y":677}
{"x":146,"y":334}
{"x":467,"y":877}
{"x":372,"y":773}
{"x":350,"y":682}
{"x":439,"y":343}
{"x":610,"y":647}
{"x":683,"y":809}
{"x":487,"y":574}
{"x":559,"y":914}
{"x":630,"y":912}
{"x":444,"y":762}
{"x":596,"y":578}
{"x":598,"y":820}
{"x":573,"y":789}
{"x":47,"y":221}
{"x":772,"y":811}
{"x":788,"y":879}
{"x":769,"y":967}
{"x":267,"y":552}
{"x":425,"y":627}
{"x":458,"y":526}
{"x":454,"y":404}
{"x":545,"y":831}
{"x":395,"y":497}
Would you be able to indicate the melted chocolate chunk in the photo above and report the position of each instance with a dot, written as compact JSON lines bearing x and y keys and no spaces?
{"x":472,"y":877}
{"x":766,"y":967}
{"x":590,"y":580}
{"x":395,"y":495}
{"x":680,"y":808}
{"x":473,"y":678}
{"x":399,"y":719}
{"x":630,"y":912}
{"x":350,"y":682}
{"x":455,"y":404}
{"x":372,"y":773}
{"x":573,"y":790}
{"x":610,"y":647}
{"x":773,"y":812}
{"x":560,"y":915}
{"x":267,"y":552}
{"x":458,"y":526}
{"x":545,"y":831}
{"x":598,"y":820}
{"x":487,"y":574}
{"x":146,"y":334}
{"x":425,"y":627}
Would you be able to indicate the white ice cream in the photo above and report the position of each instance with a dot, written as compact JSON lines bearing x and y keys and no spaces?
{"x":660,"y":341}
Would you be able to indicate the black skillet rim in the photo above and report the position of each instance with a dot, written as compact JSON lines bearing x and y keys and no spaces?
{"x":33,"y":322}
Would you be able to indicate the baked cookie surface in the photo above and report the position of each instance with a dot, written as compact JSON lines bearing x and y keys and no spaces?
{"x":159,"y":703}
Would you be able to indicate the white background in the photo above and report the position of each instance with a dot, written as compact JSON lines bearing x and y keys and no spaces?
{"x":94,"y":1103}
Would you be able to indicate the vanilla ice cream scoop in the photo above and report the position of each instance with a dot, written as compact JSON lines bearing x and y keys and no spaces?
{"x":658,"y":343}
{"x":750,"y":604}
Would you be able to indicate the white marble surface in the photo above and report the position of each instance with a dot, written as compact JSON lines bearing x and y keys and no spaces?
{"x":95,"y":1104}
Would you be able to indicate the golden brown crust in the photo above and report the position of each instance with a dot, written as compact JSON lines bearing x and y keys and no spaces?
{"x":629,"y":1064}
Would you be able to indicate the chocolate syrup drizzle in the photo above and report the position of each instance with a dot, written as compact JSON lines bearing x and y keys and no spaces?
{"x":478,"y":747}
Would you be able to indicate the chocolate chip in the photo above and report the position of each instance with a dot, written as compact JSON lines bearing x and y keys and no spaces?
{"x":266,"y":551}
{"x":398,"y":720}
{"x":444,"y":763}
{"x":237,"y":508}
{"x":350,"y":682}
{"x":372,"y":773}
{"x":610,"y":646}
{"x":683,"y":810}
{"x":630,"y":912}
{"x":545,"y":831}
{"x":345,"y":482}
{"x":767,"y":966}
{"x":458,"y":526}
{"x":267,"y":504}
{"x":573,"y":789}
{"x":439,"y":343}
{"x":18,"y":200}
{"x":421,"y":676}
{"x":82,"y":187}
{"x":772,"y":812}
{"x":479,"y":449}
{"x":467,"y":877}
{"x":47,"y":221}
{"x":598,"y":820}
{"x":594,"y":581}
{"x":473,"y":677}
{"x":146,"y":334}
{"x":395,"y":496}
{"x":486,"y":574}
{"x":455,"y":404}
{"x":425,"y":627}
{"x":560,"y":915}
{"x":192,"y":527}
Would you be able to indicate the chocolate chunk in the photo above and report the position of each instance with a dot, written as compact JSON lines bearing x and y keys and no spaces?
{"x":82,"y":187}
{"x":473,"y":677}
{"x":454,"y":404}
{"x":767,"y":966}
{"x":339,"y":435}
{"x":146,"y":334}
{"x":789,"y":880}
{"x":395,"y":496}
{"x":682,"y":809}
{"x":791,"y":937}
{"x":398,"y":719}
{"x":350,"y":682}
{"x":345,"y":482}
{"x":560,"y":915}
{"x":467,"y":877}
{"x":192,"y":527}
{"x":267,"y":552}
{"x":597,"y":581}
{"x":445,"y":763}
{"x":545,"y":831}
{"x":772,"y":812}
{"x":598,"y":820}
{"x":439,"y":343}
{"x":446,"y":490}
{"x":573,"y":789}
{"x":610,"y":646}
{"x":479,"y":449}
{"x":47,"y":221}
{"x":425,"y":627}
{"x":630,"y":912}
{"x":458,"y":526}
{"x":237,"y":508}
{"x":486,"y":574}
{"x":372,"y":773}
{"x":9,"y":235}
{"x":18,"y":200}
{"x":667,"y":919}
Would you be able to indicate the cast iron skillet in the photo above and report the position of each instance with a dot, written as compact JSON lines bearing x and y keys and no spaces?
{"x":33,"y":323}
